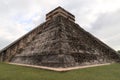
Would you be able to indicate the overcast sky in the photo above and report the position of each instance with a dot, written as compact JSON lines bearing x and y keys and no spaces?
{"x":99,"y":17}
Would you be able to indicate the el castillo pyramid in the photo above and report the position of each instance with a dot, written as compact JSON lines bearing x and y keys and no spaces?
{"x":58,"y":42}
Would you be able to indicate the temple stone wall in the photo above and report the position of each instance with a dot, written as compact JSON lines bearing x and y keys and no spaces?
{"x":59,"y":42}
{"x":80,"y":47}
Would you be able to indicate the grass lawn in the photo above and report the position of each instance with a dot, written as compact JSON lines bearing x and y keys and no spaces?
{"x":13,"y":72}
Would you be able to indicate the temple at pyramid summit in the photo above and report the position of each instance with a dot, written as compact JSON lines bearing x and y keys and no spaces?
{"x":58,"y":42}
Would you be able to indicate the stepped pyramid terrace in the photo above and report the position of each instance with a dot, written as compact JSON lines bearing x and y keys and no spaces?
{"x":58,"y":42}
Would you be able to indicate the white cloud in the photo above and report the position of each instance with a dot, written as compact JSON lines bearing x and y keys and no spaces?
{"x":87,"y":11}
{"x":107,"y":28}
{"x":20,"y":16}
{"x":17,"y":17}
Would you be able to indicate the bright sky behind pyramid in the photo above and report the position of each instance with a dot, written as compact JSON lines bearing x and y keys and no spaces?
{"x":99,"y":17}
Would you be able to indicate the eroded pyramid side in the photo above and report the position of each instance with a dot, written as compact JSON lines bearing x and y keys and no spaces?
{"x":59,"y":42}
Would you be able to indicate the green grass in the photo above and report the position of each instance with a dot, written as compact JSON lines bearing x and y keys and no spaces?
{"x":12,"y":72}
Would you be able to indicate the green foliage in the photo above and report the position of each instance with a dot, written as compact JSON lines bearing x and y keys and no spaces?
{"x":12,"y":72}
{"x":118,"y":51}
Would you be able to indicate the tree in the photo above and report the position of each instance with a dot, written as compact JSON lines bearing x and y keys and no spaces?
{"x":118,"y":51}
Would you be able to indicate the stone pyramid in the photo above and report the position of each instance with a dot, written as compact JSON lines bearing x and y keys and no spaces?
{"x":59,"y":42}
